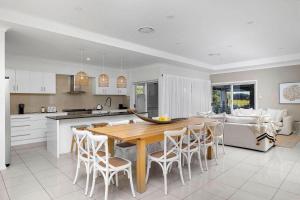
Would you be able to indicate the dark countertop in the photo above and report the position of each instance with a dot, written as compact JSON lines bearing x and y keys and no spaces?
{"x":62,"y":117}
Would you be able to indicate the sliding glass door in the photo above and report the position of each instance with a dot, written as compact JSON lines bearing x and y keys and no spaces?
{"x":226,"y":98}
{"x":221,"y":101}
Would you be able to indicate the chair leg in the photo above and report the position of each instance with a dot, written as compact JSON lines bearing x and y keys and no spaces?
{"x":131,"y":182}
{"x":200,"y":161}
{"x":87,"y":178}
{"x":189,"y":165}
{"x":94,"y":180}
{"x":216,"y":155}
{"x":72,"y":144}
{"x":148,"y":170}
{"x":77,"y":171}
{"x":106,"y":188}
{"x":216,"y":146}
{"x":205,"y":157}
{"x":117,"y":179}
{"x":223,"y":146}
{"x":165,"y":180}
{"x":180,"y":171}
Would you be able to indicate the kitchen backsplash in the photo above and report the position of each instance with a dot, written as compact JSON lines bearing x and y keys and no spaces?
{"x":63,"y":100}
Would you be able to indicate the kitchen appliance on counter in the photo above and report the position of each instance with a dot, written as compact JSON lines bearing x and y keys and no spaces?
{"x":99,"y":107}
{"x":51,"y":109}
{"x":43,"y":109}
{"x":21,"y":108}
{"x":7,"y":123}
{"x":121,"y":107}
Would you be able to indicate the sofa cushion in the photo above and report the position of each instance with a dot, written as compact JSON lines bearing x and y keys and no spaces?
{"x":247,"y":112}
{"x":241,"y":120}
{"x":276,"y":114}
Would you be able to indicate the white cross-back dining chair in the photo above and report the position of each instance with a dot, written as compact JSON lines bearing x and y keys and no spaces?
{"x":193,"y":145}
{"x":83,"y":154}
{"x":107,"y":166}
{"x":208,"y":140}
{"x":168,"y":156}
{"x":219,"y":135}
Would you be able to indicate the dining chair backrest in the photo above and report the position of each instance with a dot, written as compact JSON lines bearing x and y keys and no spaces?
{"x":80,"y":139}
{"x":216,"y":128}
{"x":122,"y":122}
{"x":196,"y":133}
{"x":175,"y":138}
{"x":95,"y":143}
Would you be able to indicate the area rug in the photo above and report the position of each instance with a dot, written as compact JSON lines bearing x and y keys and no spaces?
{"x":287,"y":141}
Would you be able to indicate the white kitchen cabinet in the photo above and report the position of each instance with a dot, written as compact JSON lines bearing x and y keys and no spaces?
{"x":12,"y":79}
{"x":49,"y":82}
{"x":22,"y":81}
{"x":29,"y":128}
{"x":111,"y":90}
{"x":36,"y":82}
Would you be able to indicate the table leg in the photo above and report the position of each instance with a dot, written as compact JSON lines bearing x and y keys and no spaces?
{"x":210,"y":151}
{"x":111,"y":146}
{"x":141,"y":165}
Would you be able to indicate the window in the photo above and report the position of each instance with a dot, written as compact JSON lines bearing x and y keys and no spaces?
{"x":226,"y":98}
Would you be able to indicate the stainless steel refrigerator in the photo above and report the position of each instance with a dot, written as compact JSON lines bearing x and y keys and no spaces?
{"x":7,"y":122}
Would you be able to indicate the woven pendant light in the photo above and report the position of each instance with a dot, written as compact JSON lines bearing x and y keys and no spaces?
{"x":81,"y":77}
{"x":103,"y":79}
{"x":121,"y":80}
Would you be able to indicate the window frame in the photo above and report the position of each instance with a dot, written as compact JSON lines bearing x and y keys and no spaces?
{"x":246,"y":82}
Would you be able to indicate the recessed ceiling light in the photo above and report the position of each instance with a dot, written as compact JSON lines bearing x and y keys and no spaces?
{"x":78,"y":9}
{"x":281,"y":48}
{"x":146,"y":29}
{"x":88,"y":58}
{"x":170,"y":17}
{"x":214,"y":54}
{"x":250,"y":22}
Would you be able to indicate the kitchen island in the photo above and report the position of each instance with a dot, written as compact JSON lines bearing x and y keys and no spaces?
{"x":59,"y":133}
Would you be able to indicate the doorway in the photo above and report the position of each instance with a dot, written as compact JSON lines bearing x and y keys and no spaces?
{"x":146,"y":97}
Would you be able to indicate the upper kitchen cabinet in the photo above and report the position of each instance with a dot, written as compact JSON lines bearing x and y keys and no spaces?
{"x":110,"y":90}
{"x":31,"y":82}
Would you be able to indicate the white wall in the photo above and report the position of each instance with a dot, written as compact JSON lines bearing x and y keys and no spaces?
{"x":154,"y":72}
{"x":2,"y":98}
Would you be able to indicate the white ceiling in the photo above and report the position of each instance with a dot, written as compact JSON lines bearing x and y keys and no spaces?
{"x":42,"y":44}
{"x":235,"y":31}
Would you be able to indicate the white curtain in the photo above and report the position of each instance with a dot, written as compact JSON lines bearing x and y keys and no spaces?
{"x":201,"y":96}
{"x":183,"y":97}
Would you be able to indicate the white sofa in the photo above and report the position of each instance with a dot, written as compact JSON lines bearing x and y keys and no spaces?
{"x":239,"y":128}
{"x":279,"y":117}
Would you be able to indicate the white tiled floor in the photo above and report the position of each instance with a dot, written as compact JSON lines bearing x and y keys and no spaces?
{"x":240,"y":175}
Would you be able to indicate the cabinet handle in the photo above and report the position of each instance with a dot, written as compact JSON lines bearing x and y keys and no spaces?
{"x":20,"y":126}
{"x":19,"y":135}
{"x":21,"y":118}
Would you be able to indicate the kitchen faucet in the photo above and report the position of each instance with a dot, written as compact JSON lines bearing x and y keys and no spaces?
{"x":108,"y":99}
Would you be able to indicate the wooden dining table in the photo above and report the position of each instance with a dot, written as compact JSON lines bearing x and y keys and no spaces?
{"x":142,"y":134}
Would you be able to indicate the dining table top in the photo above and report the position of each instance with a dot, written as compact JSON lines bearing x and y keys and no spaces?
{"x":142,"y":130}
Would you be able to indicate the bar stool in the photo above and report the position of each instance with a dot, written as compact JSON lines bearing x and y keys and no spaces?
{"x":101,"y":124}
{"x":78,"y":127}
{"x":124,"y":149}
